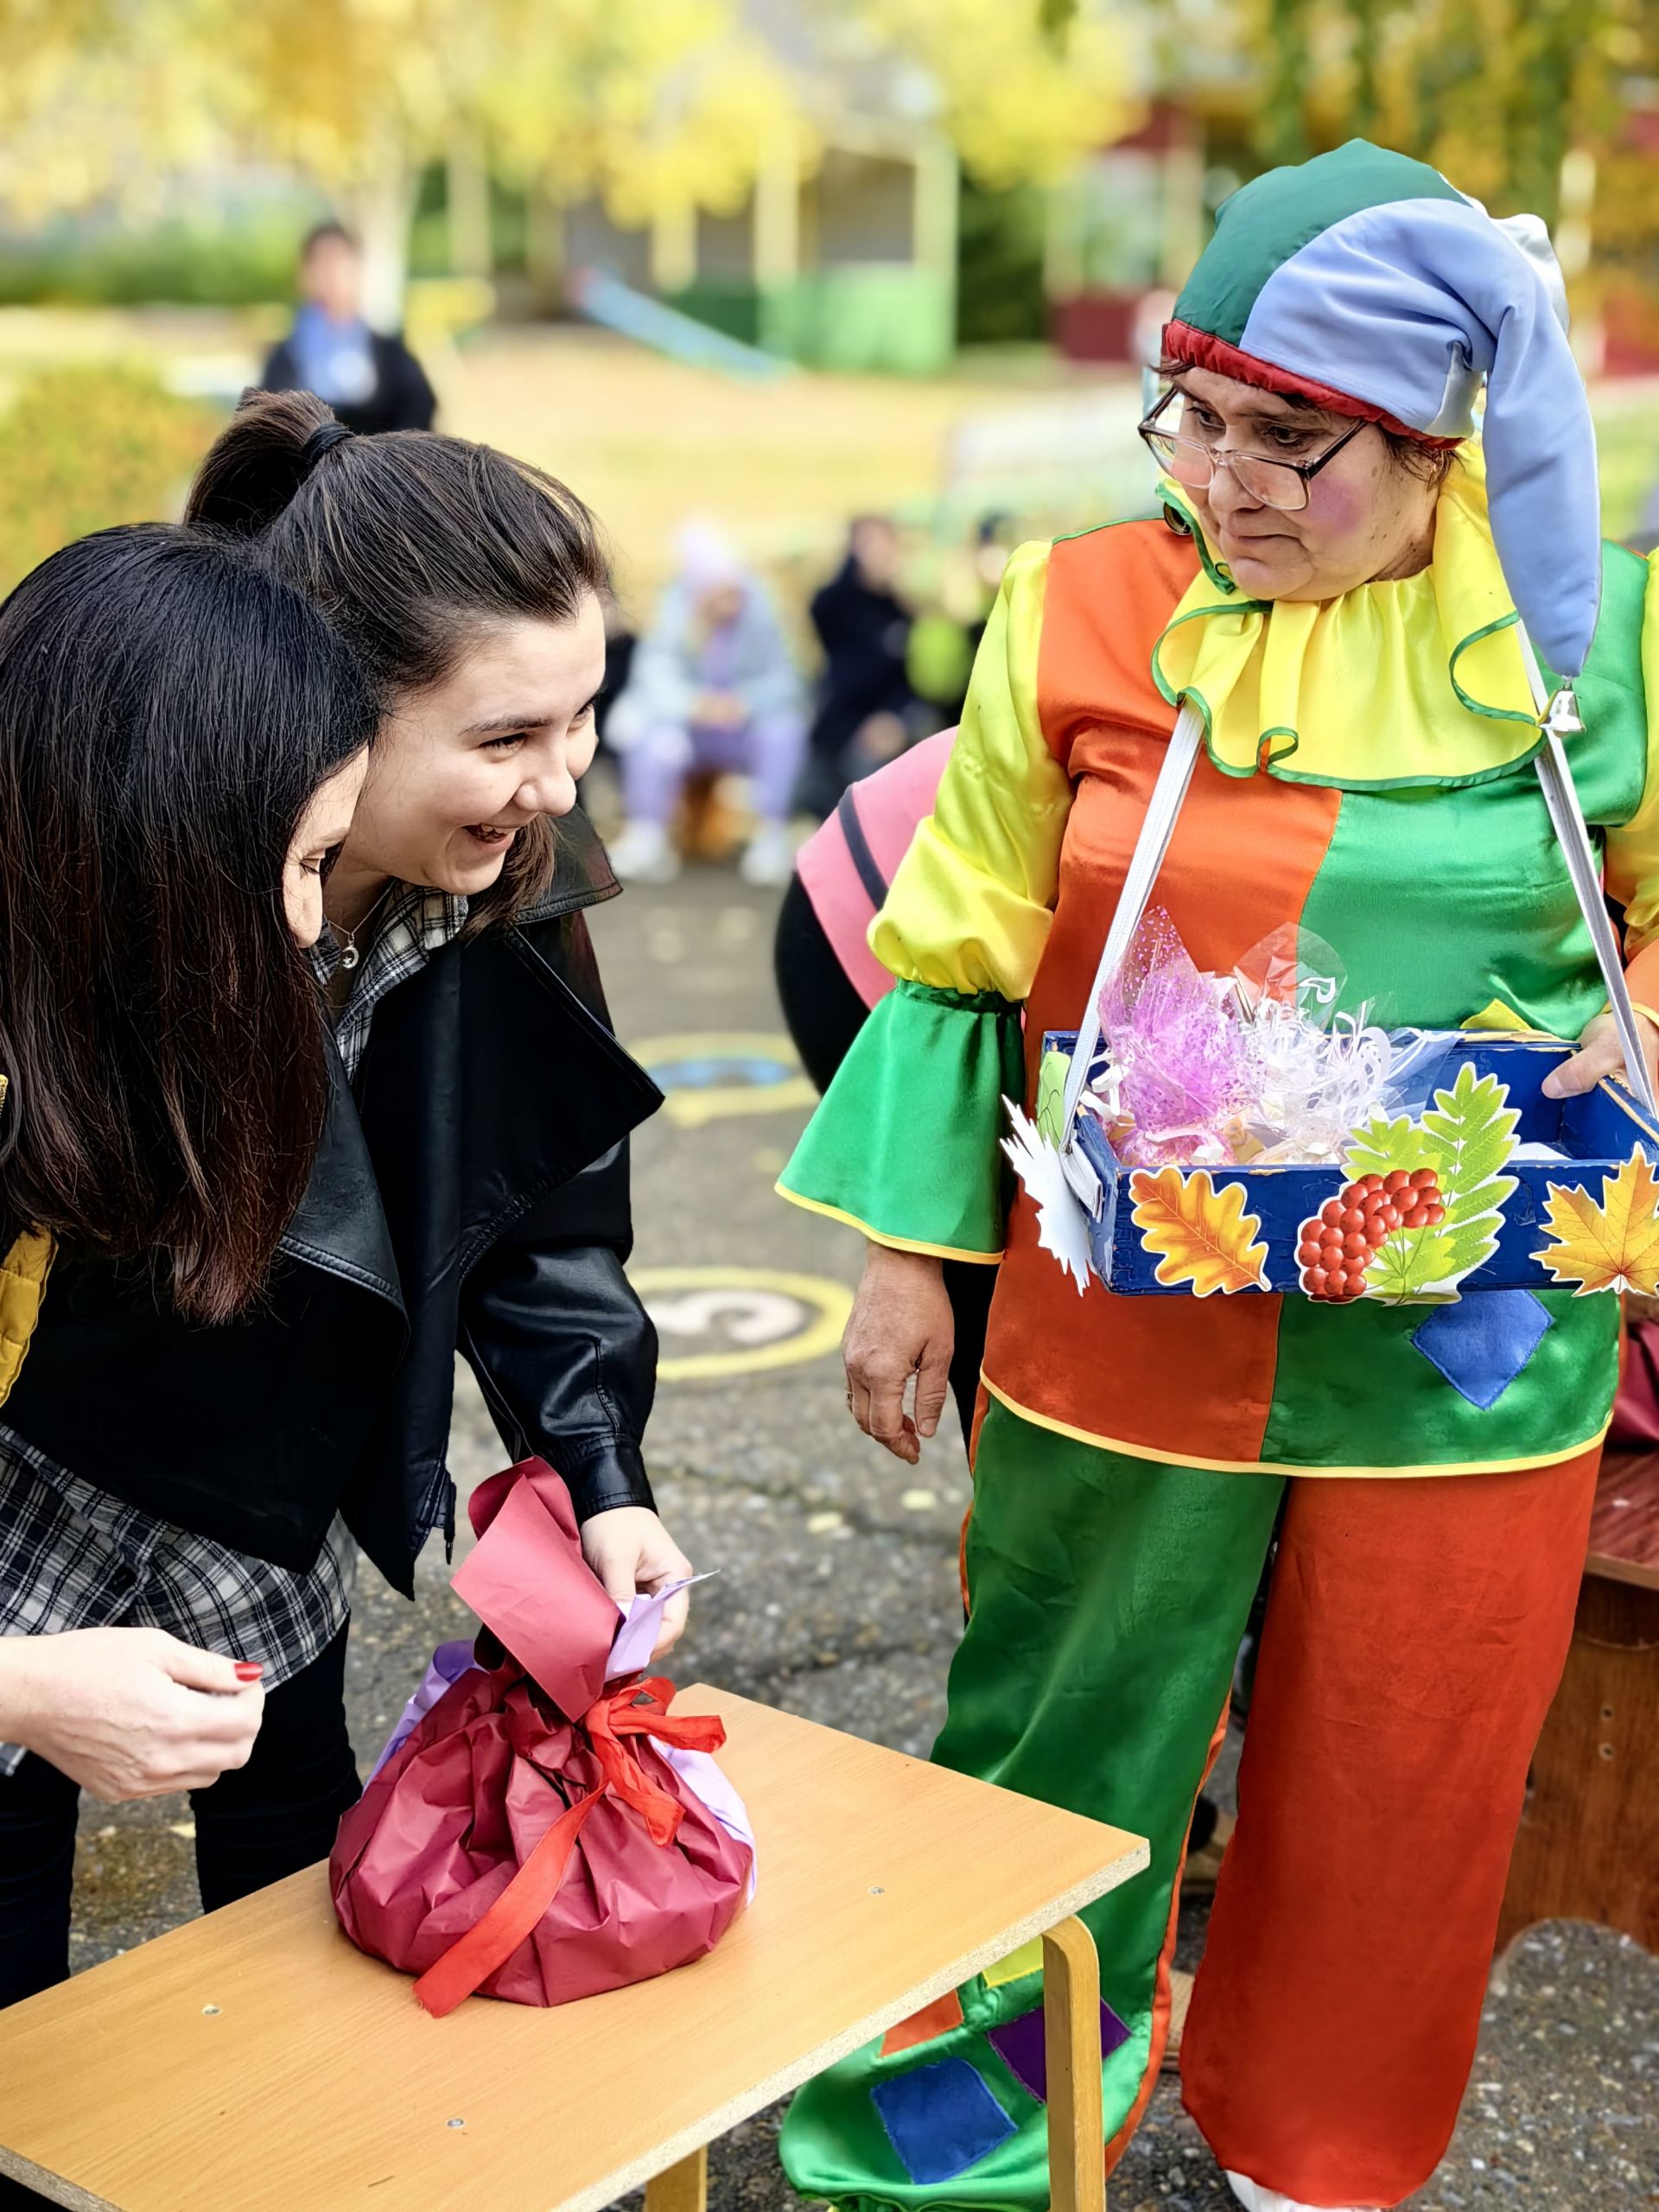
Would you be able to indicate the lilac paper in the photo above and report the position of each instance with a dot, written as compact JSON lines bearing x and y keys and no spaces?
{"x":708,"y":1782}
{"x":640,"y":1626}
{"x":450,"y":1663}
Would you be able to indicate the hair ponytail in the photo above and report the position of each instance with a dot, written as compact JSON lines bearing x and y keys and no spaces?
{"x":254,"y":468}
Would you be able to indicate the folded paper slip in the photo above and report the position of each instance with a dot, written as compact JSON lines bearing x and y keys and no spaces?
{"x":543,"y":1826}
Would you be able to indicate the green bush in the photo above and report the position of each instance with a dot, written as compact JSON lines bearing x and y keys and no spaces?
{"x":83,"y":447}
{"x":244,"y":259}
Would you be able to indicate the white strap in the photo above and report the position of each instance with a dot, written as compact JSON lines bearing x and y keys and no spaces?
{"x":1562,"y":798}
{"x":1180,"y":758}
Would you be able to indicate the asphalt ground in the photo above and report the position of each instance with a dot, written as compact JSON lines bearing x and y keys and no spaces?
{"x":836,"y":1595}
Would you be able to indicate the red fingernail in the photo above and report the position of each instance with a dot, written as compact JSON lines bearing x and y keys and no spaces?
{"x":248,"y":1670}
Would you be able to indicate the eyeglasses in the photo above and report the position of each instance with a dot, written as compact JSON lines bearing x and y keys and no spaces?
{"x":1281,"y":484}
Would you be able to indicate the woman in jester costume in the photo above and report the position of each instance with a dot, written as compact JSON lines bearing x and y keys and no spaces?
{"x":1334,"y":586}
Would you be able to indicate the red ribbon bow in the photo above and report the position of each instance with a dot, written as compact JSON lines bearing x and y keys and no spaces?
{"x":639,"y":1708}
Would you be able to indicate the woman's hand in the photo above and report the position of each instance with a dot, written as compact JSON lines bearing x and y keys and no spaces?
{"x":1600,"y":1054}
{"x":901,"y":1324}
{"x":630,"y":1550}
{"x":128,"y":1712}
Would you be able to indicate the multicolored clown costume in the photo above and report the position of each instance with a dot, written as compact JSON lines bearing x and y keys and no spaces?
{"x":1367,"y":776}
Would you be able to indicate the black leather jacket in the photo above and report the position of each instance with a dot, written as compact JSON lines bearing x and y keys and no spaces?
{"x":470,"y":1193}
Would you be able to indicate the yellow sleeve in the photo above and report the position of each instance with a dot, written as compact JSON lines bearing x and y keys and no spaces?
{"x":904,"y":1147}
{"x":1633,"y":848}
{"x":22,"y":1284}
{"x":970,"y":907}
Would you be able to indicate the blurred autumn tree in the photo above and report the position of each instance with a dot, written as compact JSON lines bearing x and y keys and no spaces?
{"x":660,"y":106}
{"x":1500,"y":95}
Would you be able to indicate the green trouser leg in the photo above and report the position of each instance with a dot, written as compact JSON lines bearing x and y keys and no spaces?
{"x":1109,"y":1596}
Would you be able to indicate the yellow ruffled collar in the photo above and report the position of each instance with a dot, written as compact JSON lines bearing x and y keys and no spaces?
{"x":1415,"y":682}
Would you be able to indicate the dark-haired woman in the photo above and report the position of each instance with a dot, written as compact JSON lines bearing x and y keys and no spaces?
{"x":478,"y":1148}
{"x":182,"y":742}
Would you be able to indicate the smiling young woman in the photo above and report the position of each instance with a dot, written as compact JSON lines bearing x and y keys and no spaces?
{"x":477,"y":1068}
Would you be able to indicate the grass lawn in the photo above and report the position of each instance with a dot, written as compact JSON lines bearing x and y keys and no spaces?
{"x":783,"y":464}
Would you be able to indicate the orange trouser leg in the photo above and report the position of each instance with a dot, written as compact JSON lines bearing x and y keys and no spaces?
{"x":1415,"y":1634}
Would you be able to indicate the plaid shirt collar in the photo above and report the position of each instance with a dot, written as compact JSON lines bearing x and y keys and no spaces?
{"x":415,"y":922}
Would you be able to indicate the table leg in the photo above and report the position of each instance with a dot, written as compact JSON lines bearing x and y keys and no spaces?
{"x":683,"y":2188}
{"x":1077,"y":2180}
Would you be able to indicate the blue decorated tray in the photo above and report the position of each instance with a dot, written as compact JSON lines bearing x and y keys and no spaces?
{"x":1448,"y":1195}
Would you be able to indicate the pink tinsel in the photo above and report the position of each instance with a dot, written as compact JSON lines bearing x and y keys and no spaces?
{"x":1180,"y":1061}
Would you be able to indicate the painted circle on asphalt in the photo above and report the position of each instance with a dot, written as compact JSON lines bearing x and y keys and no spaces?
{"x":745,"y":1319}
{"x":712,"y":1075}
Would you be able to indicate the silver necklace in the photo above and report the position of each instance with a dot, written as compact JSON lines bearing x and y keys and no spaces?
{"x":349,"y":955}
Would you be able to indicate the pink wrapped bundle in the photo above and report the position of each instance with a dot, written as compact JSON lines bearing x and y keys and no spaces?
{"x":547,"y":1827}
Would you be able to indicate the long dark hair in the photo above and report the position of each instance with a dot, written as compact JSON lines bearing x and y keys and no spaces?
{"x":406,"y":542}
{"x":167,"y":711}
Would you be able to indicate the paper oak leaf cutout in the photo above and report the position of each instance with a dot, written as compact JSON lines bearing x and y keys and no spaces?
{"x":1204,"y":1235}
{"x":1611,"y":1246}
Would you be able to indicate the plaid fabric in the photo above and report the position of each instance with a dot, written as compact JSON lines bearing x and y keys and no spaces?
{"x":416,"y":923}
{"x":73,"y":1556}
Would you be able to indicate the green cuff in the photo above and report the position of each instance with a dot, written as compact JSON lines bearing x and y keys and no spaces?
{"x":905,"y":1144}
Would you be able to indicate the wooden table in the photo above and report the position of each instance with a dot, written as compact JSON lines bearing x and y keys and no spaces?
{"x":254,"y":2062}
{"x":1588,"y":1846}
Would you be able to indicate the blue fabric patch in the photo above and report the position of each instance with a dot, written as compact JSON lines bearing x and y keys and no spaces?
{"x":1482,"y":1342}
{"x":940,"y":2120}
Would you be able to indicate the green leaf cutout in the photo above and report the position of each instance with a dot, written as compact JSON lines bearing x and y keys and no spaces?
{"x":1468,"y":1137}
{"x":1050,"y":1096}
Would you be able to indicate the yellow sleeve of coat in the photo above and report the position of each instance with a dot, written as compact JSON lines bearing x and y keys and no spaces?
{"x":970,"y":907}
{"x":22,"y":1285}
{"x":1632,"y":866}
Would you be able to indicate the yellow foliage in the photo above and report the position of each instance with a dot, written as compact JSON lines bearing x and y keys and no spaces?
{"x":1021,"y":105}
{"x":84,"y":447}
{"x":659,"y":105}
{"x":1205,"y":1235}
{"x":1611,"y":1246}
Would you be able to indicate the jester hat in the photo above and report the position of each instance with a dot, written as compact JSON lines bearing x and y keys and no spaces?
{"x":1364,"y":281}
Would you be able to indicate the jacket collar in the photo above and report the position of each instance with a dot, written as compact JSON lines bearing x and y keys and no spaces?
{"x":583,"y":875}
{"x":339,"y":1223}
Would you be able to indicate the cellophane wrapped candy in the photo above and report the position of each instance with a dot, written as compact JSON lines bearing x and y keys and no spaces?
{"x":1259,"y":1064}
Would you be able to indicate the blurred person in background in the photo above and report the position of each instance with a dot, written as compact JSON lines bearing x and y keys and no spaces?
{"x":865,"y":700}
{"x":713,"y":690}
{"x":371,"y":381}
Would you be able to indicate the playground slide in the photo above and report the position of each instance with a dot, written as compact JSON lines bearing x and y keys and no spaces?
{"x":606,"y":299}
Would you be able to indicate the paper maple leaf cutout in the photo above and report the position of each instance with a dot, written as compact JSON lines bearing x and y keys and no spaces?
{"x":1613,"y":1246}
{"x":1205,"y":1235}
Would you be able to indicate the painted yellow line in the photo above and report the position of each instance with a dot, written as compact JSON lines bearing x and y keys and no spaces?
{"x":828,"y":1303}
{"x":716,"y":1044}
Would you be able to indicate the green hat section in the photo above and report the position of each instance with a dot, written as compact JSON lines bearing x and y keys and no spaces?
{"x":1268,"y":221}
